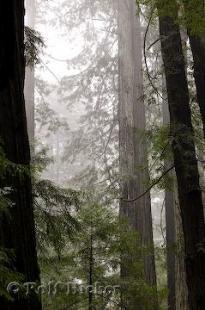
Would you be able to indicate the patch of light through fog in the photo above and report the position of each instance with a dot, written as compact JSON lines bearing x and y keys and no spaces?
{"x":61,"y":47}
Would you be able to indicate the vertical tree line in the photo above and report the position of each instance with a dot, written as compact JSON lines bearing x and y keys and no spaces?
{"x":195,"y":15}
{"x":183,"y":147}
{"x":17,"y":224}
{"x":132,"y":145}
{"x":98,"y":248}
{"x":169,"y":201}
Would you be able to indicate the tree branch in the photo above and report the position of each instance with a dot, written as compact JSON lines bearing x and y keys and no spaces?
{"x":150,"y":187}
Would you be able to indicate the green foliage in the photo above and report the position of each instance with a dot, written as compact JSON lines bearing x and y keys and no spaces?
{"x":7,"y":167}
{"x":161,"y":269}
{"x":161,"y":142}
{"x":53,"y":211}
{"x":7,"y":272}
{"x":40,"y":161}
{"x":33,"y":44}
{"x":160,"y":149}
{"x":188,"y":13}
{"x":95,"y":252}
{"x":7,"y":275}
{"x":193,"y":16}
{"x":5,"y":202}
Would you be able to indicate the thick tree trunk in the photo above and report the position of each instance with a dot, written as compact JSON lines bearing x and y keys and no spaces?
{"x":176,"y":278}
{"x":176,"y":275}
{"x":189,"y":193}
{"x":132,"y":147}
{"x":17,"y":231}
{"x":197,"y":44}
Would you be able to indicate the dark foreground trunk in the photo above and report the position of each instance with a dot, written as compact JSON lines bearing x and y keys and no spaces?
{"x":198,"y":52}
{"x":189,"y":193}
{"x":17,"y":230}
{"x":176,"y":281}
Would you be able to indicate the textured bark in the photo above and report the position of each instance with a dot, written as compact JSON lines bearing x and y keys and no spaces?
{"x":18,"y":231}
{"x":181,"y":285}
{"x":176,"y":277}
{"x":29,"y":77}
{"x":170,"y":242}
{"x":189,"y":192}
{"x":197,"y":43}
{"x":132,"y":146}
{"x":170,"y":223}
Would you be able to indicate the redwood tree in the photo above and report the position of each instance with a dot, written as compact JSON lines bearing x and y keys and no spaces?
{"x":195,"y":16}
{"x":181,"y":131}
{"x":17,"y":229}
{"x":132,"y":147}
{"x":169,"y":201}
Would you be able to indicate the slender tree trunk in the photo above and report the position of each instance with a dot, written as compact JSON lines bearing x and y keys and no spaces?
{"x":29,"y":77}
{"x":181,"y":285}
{"x":189,"y":192}
{"x":197,"y":43}
{"x":170,"y":243}
{"x":17,"y":231}
{"x":170,"y":220}
{"x":90,"y":293}
{"x":132,"y":147}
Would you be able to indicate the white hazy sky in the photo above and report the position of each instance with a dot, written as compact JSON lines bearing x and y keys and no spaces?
{"x":59,"y":47}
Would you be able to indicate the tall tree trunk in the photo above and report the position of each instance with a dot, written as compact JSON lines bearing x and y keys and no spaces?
{"x":189,"y":193}
{"x":176,"y":279}
{"x":170,"y":219}
{"x":17,"y":231}
{"x":90,"y":292}
{"x":181,"y":285}
{"x":197,"y":43}
{"x":29,"y":77}
{"x":132,"y":147}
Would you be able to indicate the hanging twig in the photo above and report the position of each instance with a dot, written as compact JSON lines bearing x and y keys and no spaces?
{"x":145,"y":56}
{"x":150,"y":187}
